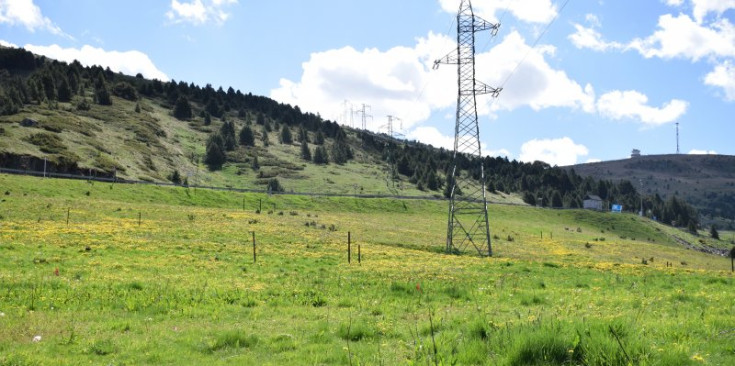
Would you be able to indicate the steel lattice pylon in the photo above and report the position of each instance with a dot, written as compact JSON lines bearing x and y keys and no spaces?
{"x":468,"y":222}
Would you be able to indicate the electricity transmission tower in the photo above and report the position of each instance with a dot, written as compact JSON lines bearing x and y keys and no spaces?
{"x":468,"y":223}
{"x":390,"y":126}
{"x":394,"y":135}
{"x":364,"y":114}
{"x":348,"y":110}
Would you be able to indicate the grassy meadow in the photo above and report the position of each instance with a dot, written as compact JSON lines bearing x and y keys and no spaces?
{"x":96,"y":273}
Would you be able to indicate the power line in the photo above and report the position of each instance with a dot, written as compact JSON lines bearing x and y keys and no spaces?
{"x":535,"y":43}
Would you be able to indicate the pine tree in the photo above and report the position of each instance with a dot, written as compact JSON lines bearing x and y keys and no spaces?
{"x":49,"y":86}
{"x":320,"y":155}
{"x":305,"y":152}
{"x":692,"y":227}
{"x":175,"y":177}
{"x":182,"y":108}
{"x":285,"y":136}
{"x":264,"y":138}
{"x":246,"y":136}
{"x":213,"y":108}
{"x":556,"y":200}
{"x":274,"y":185}
{"x":84,"y":105}
{"x":432,"y":183}
{"x":529,"y":198}
{"x":215,"y":155}
{"x":450,"y":185}
{"x":341,"y":151}
{"x":404,"y":167}
{"x":126,"y":91}
{"x":8,"y":104}
{"x":101,"y":92}
{"x":64,"y":90}
{"x":228,"y":134}
{"x":713,"y":233}
{"x":303,"y":135}
{"x":319,"y":140}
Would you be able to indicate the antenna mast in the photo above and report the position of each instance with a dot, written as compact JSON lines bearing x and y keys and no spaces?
{"x":677,"y":138}
{"x":468,"y":222}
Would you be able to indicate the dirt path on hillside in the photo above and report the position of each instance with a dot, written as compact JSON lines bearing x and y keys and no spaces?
{"x":704,"y":248}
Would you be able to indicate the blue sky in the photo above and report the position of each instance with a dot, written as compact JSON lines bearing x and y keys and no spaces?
{"x":603,"y":78}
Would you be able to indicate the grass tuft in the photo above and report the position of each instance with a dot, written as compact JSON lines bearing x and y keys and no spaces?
{"x":233,"y":339}
{"x":356,"y":331}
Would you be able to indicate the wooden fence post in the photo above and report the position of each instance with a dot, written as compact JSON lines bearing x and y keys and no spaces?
{"x":349,"y":244}
{"x":255,"y":255}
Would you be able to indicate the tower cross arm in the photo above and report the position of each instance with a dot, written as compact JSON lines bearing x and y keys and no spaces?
{"x":452,"y":58}
{"x":482,"y":88}
{"x":478,"y":25}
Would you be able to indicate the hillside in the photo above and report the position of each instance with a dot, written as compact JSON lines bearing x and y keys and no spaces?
{"x":90,"y":121}
{"x":705,"y":181}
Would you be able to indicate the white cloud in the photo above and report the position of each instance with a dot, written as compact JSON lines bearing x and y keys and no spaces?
{"x":593,"y":20}
{"x":681,"y":37}
{"x":7,"y":44}
{"x":434,"y":137}
{"x":530,"y":11}
{"x":431,"y":136}
{"x":398,"y":82}
{"x":704,"y":7}
{"x":632,"y":104}
{"x":503,"y":153}
{"x":199,"y":12}
{"x":587,"y":37}
{"x":723,"y":76}
{"x":702,"y":152}
{"x":677,"y":37}
{"x":28,"y":14}
{"x":532,"y":81}
{"x":591,"y":161}
{"x":561,"y":152}
{"x":128,"y":62}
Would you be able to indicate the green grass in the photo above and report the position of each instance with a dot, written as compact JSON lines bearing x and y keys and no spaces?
{"x":181,"y":287}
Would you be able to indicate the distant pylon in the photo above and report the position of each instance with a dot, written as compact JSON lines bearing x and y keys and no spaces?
{"x":394,"y":135}
{"x":390,"y":126}
{"x":468,"y":221}
{"x":364,"y":115}
{"x":677,"y":138}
